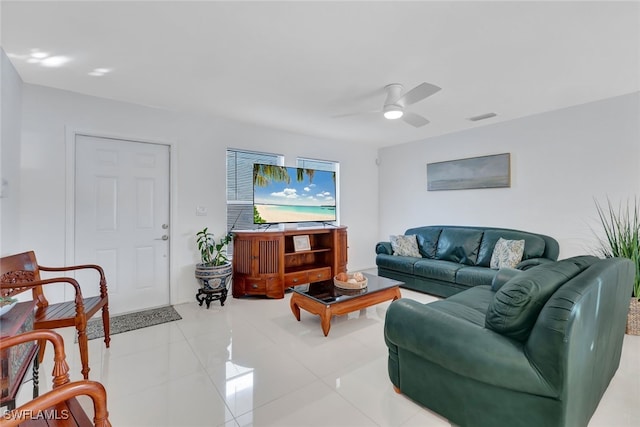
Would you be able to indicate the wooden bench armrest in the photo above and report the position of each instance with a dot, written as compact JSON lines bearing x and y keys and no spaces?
{"x":46,"y":402}
{"x":60,"y":368}
{"x":21,"y":286}
{"x":34,"y":283}
{"x":103,"y":279}
{"x":75,"y":267}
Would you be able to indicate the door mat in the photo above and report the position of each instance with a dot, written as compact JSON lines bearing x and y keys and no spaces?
{"x":131,"y":321}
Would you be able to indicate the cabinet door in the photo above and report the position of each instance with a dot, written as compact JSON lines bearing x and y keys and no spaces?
{"x":242,"y":256}
{"x":341,"y":250}
{"x":268,"y":256}
{"x":257,"y":255}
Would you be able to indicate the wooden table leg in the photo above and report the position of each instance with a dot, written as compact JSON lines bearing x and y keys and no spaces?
{"x":294,"y":306}
{"x":325,"y":320}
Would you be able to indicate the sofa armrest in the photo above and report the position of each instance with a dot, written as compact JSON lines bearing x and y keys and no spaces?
{"x":503,"y":276}
{"x":530,"y":263}
{"x":461,"y":346}
{"x":384,"y":248}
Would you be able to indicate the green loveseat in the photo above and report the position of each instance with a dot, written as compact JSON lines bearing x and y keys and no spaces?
{"x":454,"y":258}
{"x":537,"y":350}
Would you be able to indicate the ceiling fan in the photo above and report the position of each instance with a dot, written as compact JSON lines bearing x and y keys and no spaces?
{"x":395,"y":104}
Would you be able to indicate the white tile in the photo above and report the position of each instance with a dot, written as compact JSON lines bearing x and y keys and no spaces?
{"x":145,"y":369}
{"x":331,"y":354}
{"x":252,"y":378}
{"x":314,"y":405}
{"x":190,"y":400}
{"x":367,"y":387}
{"x":426,"y":418}
{"x":198,"y":320}
{"x":620,"y":405}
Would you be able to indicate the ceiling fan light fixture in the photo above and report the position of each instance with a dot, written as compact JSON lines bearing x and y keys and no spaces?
{"x":393,"y":112}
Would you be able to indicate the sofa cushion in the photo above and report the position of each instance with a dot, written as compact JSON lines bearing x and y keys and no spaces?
{"x":459,"y":245}
{"x":507,"y":253}
{"x":384,"y":248}
{"x":533,"y":245}
{"x":470,"y":305}
{"x":476,"y":300}
{"x":436,"y":269}
{"x":515,"y":307}
{"x":406,"y":245}
{"x":427,"y":238}
{"x":474,"y":276}
{"x":402,"y":264}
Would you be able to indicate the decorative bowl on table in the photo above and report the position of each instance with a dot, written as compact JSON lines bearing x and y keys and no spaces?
{"x":6,"y":304}
{"x":350,"y":281}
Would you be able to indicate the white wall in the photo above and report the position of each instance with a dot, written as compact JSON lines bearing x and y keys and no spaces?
{"x":10,"y":123}
{"x":560,"y":161}
{"x":198,"y":153}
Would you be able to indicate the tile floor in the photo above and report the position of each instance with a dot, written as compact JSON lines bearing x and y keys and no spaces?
{"x":250,"y":363}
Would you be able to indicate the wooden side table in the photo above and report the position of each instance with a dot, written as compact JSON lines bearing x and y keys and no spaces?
{"x":15,"y":361}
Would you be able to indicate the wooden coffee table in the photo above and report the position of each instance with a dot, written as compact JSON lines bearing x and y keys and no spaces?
{"x":326,"y":300}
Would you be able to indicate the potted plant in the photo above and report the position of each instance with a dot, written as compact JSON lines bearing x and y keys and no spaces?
{"x":215,"y":268}
{"x":622,"y":239}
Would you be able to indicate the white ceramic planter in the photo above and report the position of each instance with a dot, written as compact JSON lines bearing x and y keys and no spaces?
{"x":213,"y":277}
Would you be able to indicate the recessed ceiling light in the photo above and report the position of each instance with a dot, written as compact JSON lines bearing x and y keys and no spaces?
{"x":98,"y":72}
{"x":39,"y":55}
{"x":55,"y":61}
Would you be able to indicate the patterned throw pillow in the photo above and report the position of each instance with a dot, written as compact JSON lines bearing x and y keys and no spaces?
{"x":405,"y":245}
{"x":507,"y":253}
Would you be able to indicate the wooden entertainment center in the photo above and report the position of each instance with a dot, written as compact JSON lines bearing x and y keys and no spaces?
{"x":267,"y":263}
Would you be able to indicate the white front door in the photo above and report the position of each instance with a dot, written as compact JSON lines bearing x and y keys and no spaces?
{"x":122,"y":219}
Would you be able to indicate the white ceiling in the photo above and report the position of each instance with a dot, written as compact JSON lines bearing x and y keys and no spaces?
{"x":294,"y":65}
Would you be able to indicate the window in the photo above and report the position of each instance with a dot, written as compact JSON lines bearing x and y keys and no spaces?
{"x":240,"y":185}
{"x":323,"y":165}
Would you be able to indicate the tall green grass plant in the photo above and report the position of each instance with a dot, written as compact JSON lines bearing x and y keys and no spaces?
{"x":621,"y":228}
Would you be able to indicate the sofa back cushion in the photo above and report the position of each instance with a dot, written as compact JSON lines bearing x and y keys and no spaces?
{"x":459,"y":245}
{"x":427,"y":238}
{"x":533,"y":245}
{"x":515,"y":307}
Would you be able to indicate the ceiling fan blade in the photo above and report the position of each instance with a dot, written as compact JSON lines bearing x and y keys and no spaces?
{"x":414,"y":119}
{"x":418,"y":93}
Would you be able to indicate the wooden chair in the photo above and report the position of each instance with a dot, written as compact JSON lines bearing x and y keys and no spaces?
{"x":21,"y":272}
{"x":58,"y":407}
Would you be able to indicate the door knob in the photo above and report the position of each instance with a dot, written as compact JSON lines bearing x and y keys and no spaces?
{"x":165,"y":226}
{"x":165,"y":237}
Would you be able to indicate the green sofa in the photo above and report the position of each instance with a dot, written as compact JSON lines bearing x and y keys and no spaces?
{"x":538,"y":349}
{"x":456,"y":258}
